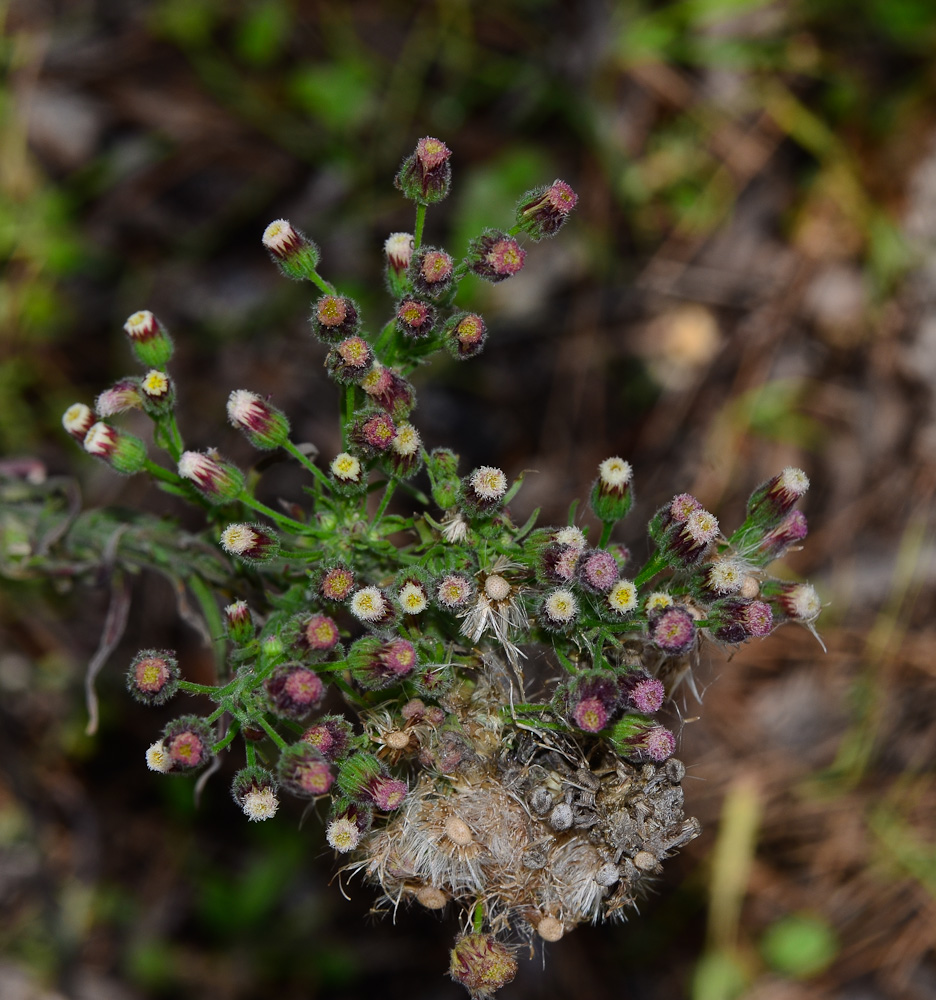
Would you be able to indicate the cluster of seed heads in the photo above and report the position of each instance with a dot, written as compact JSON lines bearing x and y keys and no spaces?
{"x":387,"y":678}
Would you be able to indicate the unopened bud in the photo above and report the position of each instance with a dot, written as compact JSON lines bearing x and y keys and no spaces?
{"x":543,"y":211}
{"x":123,"y":452}
{"x":240,"y":626}
{"x":482,"y":964}
{"x":254,"y":543}
{"x":426,"y":176}
{"x":217,"y":480}
{"x":78,"y":420}
{"x":123,"y":395}
{"x":295,"y":255}
{"x":612,"y":494}
{"x":264,"y":425}
{"x":151,"y":344}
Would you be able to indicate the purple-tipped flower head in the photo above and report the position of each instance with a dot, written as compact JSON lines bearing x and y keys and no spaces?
{"x":543,"y":211}
{"x":387,"y":793}
{"x":337,"y":583}
{"x":426,"y":176}
{"x":673,"y":631}
{"x":495,"y":256}
{"x":641,"y":692}
{"x":415,"y":318}
{"x":375,"y":433}
{"x":390,"y":391}
{"x":465,"y":335}
{"x":303,"y":771}
{"x":455,"y":591}
{"x":187,"y":741}
{"x":781,"y":538}
{"x":431,"y":271}
{"x":320,"y":633}
{"x":733,"y":620}
{"x":121,"y":396}
{"x":591,"y":699}
{"x":598,"y":571}
{"x":331,"y":736}
{"x":153,"y":677}
{"x":641,"y":738}
{"x":334,"y":318}
{"x":350,"y":361}
{"x":294,"y":690}
{"x":378,"y":664}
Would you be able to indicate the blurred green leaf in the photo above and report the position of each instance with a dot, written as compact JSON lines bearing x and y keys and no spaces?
{"x":188,"y":22}
{"x":718,"y":976}
{"x":799,"y":946}
{"x":340,"y":95}
{"x":260,"y":35}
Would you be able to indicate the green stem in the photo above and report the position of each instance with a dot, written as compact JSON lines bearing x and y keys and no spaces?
{"x":282,"y":520}
{"x":420,"y":222}
{"x":250,"y":752}
{"x":321,"y":283}
{"x":213,"y":692}
{"x":477,"y":918}
{"x":348,"y":414}
{"x":307,"y":462}
{"x":173,"y":439}
{"x":158,"y":472}
{"x":383,"y":338}
{"x":209,"y":607}
{"x":388,"y":493}
{"x":656,"y":564}
{"x":606,"y":528}
{"x":216,"y":714}
{"x":272,"y":733}
{"x":226,"y":740}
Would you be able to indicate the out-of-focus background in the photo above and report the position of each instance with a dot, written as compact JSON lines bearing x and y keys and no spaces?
{"x":748,"y":282}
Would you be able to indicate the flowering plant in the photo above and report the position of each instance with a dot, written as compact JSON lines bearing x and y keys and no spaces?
{"x":475,"y":700}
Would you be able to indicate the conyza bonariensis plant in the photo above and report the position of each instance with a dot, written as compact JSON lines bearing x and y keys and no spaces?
{"x":376,"y":662}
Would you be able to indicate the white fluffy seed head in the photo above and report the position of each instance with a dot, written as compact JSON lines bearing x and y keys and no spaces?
{"x":489,"y":482}
{"x":368,"y":604}
{"x":260,"y":804}
{"x":615,"y":472}
{"x":158,"y":759}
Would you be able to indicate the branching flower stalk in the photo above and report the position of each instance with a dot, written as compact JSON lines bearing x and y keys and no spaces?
{"x":477,"y":701}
